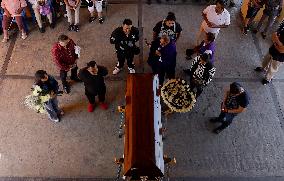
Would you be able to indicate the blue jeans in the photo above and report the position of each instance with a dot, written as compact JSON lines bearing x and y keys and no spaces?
{"x":226,"y":119}
{"x":1,"y":18}
{"x":52,"y":109}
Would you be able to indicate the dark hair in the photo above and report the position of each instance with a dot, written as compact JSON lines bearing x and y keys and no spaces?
{"x":221,"y":2}
{"x":40,"y":74}
{"x":205,"y":57}
{"x":171,"y":17}
{"x":63,"y":37}
{"x":281,"y":38}
{"x":91,"y":64}
{"x":235,"y":88}
{"x":210,"y":36}
{"x":127,"y":22}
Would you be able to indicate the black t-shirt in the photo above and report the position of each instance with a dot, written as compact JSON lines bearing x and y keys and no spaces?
{"x":94,"y":84}
{"x":233,"y":102}
{"x":276,"y":55}
{"x":161,"y":28}
{"x":123,"y":42}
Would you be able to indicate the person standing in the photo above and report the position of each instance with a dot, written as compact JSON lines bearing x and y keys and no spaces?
{"x":272,"y":10}
{"x":13,"y":10}
{"x":169,"y":27}
{"x":253,"y":8}
{"x":42,"y":7}
{"x":98,"y":4}
{"x":236,"y":101}
{"x":124,"y":39}
{"x":167,"y":59}
{"x":93,"y":78}
{"x":201,"y":73}
{"x":215,"y":17}
{"x":50,"y":86}
{"x":73,"y":5}
{"x":65,"y":58}
{"x":275,"y":57}
{"x":208,"y":46}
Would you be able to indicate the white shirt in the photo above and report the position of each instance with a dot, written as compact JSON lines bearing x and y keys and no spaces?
{"x":212,"y":16}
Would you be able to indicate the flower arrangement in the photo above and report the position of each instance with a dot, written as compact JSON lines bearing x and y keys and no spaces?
{"x":36,"y":100}
{"x":177,"y":95}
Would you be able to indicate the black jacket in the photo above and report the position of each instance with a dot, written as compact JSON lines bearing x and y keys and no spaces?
{"x":122,"y":42}
{"x":94,"y":84}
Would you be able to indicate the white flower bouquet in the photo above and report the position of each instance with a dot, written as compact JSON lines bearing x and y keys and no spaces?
{"x":36,"y":100}
{"x":177,"y":95}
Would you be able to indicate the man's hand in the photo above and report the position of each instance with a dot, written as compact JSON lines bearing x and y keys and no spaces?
{"x":158,"y":53}
{"x":211,"y":25}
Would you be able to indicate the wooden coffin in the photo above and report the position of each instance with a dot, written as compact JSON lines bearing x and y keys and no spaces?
{"x":143,"y":147}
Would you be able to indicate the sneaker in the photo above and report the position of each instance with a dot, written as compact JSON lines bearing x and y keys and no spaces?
{"x":216,"y":131}
{"x":245,"y":30}
{"x":103,"y":106}
{"x":71,"y":27}
{"x":264,"y":81}
{"x":131,"y":70}
{"x":263,"y":35}
{"x":52,"y":25}
{"x":5,"y":40}
{"x":92,"y":19}
{"x":101,"y":20}
{"x":42,"y":30}
{"x":76,"y":79}
{"x":66,"y":89}
{"x":214,"y":120}
{"x":115,"y":71}
{"x":255,"y":31}
{"x":55,"y":120}
{"x":76,"y":28}
{"x":258,"y":69}
{"x":91,"y":107}
{"x":24,"y":36}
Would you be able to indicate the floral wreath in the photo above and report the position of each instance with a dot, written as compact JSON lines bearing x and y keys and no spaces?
{"x":36,"y":101}
{"x":177,"y":95}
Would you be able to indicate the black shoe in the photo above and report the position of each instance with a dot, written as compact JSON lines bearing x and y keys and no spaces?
{"x":66,"y":89}
{"x":52,"y":25}
{"x":245,"y":30}
{"x":258,"y":69}
{"x":232,"y":4}
{"x":76,"y":28}
{"x":216,"y":131}
{"x":92,"y":19}
{"x":264,"y":81}
{"x":76,"y":79}
{"x":263,"y":35}
{"x":42,"y":30}
{"x":101,"y":20}
{"x":71,"y":27}
{"x":186,"y":71}
{"x":214,"y":120}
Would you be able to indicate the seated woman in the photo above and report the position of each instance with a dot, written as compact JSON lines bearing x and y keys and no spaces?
{"x":13,"y":9}
{"x":206,"y":46}
{"x":42,"y":7}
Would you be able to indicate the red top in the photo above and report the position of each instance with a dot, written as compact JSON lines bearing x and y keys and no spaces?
{"x":64,"y":57}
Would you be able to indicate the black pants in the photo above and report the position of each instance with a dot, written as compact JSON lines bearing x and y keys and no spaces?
{"x":121,"y":56}
{"x":92,"y":97}
{"x":197,"y":86}
{"x":63,"y":76}
{"x":226,"y":119}
{"x":168,"y":71}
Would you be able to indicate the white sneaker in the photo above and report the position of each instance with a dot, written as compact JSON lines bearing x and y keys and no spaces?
{"x":5,"y":40}
{"x":131,"y":70}
{"x":55,"y":120}
{"x":115,"y":71}
{"x":24,"y":36}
